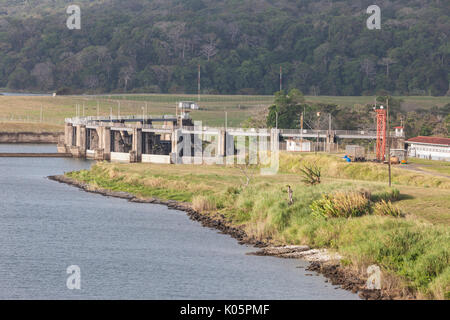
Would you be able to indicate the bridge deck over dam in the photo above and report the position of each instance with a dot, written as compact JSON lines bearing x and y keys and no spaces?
{"x":172,"y":139}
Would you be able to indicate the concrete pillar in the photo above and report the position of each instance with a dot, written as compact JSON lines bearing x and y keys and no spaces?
{"x":136,"y":148}
{"x":330,"y":141}
{"x":68,"y":133}
{"x":81,"y":140}
{"x":106,"y":143}
{"x":174,"y":156}
{"x":103,"y":150}
{"x":221,"y":141}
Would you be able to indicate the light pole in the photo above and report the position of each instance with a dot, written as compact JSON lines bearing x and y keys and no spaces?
{"x":226,"y":121}
{"x":276,"y":120}
{"x":388,"y":141}
{"x":318,"y":124}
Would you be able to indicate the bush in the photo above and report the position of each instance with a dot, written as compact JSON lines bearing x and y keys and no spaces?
{"x":384,"y":208}
{"x":310,"y":174}
{"x":202,"y":203}
{"x":340,"y":204}
{"x":389,"y":194}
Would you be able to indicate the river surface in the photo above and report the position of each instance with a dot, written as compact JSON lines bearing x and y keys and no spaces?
{"x":124,"y":250}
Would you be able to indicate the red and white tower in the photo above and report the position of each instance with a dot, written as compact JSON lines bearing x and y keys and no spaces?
{"x":381,"y":133}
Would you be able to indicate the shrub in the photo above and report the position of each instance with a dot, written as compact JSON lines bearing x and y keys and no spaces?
{"x":202,"y":203}
{"x":390,"y":194}
{"x":310,"y":174}
{"x":233,"y":190}
{"x":384,"y":208}
{"x":340,"y":204}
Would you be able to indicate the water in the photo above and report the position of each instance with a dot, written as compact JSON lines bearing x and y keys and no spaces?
{"x":125,"y":250}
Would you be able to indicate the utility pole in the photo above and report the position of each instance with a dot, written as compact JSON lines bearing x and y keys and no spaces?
{"x":388,"y":142}
{"x":146,"y":110}
{"x":198,"y":84}
{"x":281,"y":78}
{"x":329,"y":134}
{"x":226,"y":121}
{"x":118,"y":111}
{"x":318,"y":125}
{"x":301,"y":132}
{"x":276,"y":120}
{"x":329,"y":122}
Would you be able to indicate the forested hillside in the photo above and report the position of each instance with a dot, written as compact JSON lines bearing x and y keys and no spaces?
{"x":323,"y":46}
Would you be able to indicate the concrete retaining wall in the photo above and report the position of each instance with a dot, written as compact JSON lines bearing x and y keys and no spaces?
{"x":31,"y":137}
{"x":120,"y":156}
{"x":154,"y":158}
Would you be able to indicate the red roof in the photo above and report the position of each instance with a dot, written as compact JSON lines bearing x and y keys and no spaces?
{"x":431,"y":140}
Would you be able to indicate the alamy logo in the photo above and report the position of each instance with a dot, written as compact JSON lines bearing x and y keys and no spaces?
{"x":74,"y":20}
{"x":74,"y":280}
{"x":374,"y":280}
{"x":374,"y":21}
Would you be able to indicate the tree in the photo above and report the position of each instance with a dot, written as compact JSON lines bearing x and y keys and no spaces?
{"x":126,"y":75}
{"x":19,"y":79}
{"x":210,"y":50}
{"x":287,"y":109}
{"x":43,"y":72}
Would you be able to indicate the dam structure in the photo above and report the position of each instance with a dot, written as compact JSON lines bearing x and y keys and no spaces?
{"x":170,"y":139}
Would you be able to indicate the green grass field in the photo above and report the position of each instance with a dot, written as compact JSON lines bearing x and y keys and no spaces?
{"x":441,"y":167}
{"x":26,"y":109}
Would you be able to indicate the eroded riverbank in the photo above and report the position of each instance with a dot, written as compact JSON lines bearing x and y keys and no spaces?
{"x":321,"y":261}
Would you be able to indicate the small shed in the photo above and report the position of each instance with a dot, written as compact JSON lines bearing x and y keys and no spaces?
{"x":188,"y":105}
{"x":297,"y":145}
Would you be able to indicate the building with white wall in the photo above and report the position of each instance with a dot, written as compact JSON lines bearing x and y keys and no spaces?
{"x":431,"y":148}
{"x":188,"y":105}
{"x":297,"y":145}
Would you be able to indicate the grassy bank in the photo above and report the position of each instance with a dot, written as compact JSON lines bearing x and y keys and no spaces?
{"x":334,"y":167}
{"x":413,"y":251}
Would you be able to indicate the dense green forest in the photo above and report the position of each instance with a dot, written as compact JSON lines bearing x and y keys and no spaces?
{"x":323,"y":46}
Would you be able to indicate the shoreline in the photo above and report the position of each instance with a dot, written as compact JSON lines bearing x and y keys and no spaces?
{"x":320,"y":261}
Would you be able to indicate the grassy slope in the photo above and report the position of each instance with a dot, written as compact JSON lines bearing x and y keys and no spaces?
{"x":441,"y":167}
{"x":414,"y":249}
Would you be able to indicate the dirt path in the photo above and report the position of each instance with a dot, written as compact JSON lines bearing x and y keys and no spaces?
{"x":418,"y":168}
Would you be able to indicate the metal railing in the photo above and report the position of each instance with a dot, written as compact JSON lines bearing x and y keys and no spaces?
{"x":108,"y":121}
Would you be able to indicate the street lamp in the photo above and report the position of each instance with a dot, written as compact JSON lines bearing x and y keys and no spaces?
{"x":318,"y":124}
